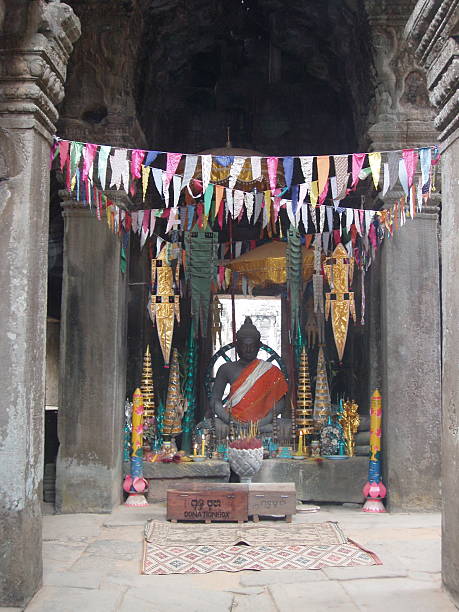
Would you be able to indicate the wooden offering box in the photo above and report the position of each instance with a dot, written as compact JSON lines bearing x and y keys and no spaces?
{"x":272,"y":499}
{"x":207,"y":502}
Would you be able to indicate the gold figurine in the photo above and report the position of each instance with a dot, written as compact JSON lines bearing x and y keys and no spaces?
{"x":350,"y":422}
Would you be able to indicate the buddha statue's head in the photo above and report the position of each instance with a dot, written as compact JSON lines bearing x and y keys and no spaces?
{"x":248,"y":341}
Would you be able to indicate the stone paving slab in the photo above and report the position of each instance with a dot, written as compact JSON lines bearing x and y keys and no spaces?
{"x":66,"y":599}
{"x":254,"y":603}
{"x":313,"y":597}
{"x":181,"y":598}
{"x":79,"y":527}
{"x":81,"y":580}
{"x":267,"y":577}
{"x":398,"y":595}
{"x":115,"y":549}
{"x":360,"y":573}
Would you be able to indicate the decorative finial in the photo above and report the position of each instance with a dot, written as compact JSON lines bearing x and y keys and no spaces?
{"x":229,"y":144}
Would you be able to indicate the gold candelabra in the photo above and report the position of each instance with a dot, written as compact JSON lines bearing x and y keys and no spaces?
{"x":147,"y":386}
{"x":303,"y":416}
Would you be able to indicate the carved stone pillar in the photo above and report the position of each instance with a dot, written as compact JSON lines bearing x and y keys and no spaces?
{"x":432,"y":32}
{"x":409,"y":287}
{"x":92,"y":365}
{"x":35,"y":43}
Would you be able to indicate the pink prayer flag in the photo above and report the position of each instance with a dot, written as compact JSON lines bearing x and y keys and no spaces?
{"x":173,"y":160}
{"x":410,"y":157}
{"x":137,"y":157}
{"x":357,"y":163}
{"x":272,"y":163}
{"x":89,"y":153}
{"x":64,"y":147}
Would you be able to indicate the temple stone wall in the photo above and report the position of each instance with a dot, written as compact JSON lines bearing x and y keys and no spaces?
{"x":35,"y":43}
{"x":432,"y":33}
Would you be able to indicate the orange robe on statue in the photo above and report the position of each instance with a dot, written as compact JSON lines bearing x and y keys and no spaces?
{"x":255,"y":391}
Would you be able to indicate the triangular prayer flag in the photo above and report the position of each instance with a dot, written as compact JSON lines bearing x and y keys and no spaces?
{"x":64,"y":148}
{"x":158,"y":179}
{"x":102,"y":160}
{"x":393,"y":158}
{"x":89,"y":153}
{"x":357,"y":163}
{"x":342,"y":176}
{"x":256,"y":168}
{"x":249,"y":202}
{"x":235,"y":170}
{"x":323,"y":168}
{"x":314,"y":192}
{"x":403,"y":176}
{"x":288,"y":171}
{"x":306,"y":168}
{"x":173,"y":160}
{"x":257,"y":207}
{"x":410,"y":157}
{"x":177,"y":186}
{"x":190,"y":167}
{"x":386,"y":180}
{"x":206,"y":169}
{"x":272,"y":163}
{"x":374,"y":160}
{"x":145,"y":177}
{"x":208,"y":198}
{"x":219,"y":191}
{"x":120,"y":169}
{"x":151,"y":156}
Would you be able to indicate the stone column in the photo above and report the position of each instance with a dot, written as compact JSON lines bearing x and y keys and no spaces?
{"x":409,"y":287}
{"x":35,"y":44}
{"x":432,"y":32}
{"x":92,"y":366}
{"x":99,"y":107}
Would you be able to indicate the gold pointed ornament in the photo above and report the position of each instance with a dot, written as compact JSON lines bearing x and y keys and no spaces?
{"x":339,"y":269}
{"x":147,"y":386}
{"x":175,"y":403}
{"x":303,"y":416}
{"x":164,"y":306}
{"x":322,"y":402}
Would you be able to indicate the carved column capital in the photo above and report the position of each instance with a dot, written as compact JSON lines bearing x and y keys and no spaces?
{"x":402,"y":113}
{"x":35,"y":47}
{"x":431,"y":33}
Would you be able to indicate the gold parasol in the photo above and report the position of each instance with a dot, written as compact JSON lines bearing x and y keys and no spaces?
{"x":266,"y":264}
{"x":246,"y":180}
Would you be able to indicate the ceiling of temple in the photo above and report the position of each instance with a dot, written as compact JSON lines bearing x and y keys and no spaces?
{"x":288,"y":76}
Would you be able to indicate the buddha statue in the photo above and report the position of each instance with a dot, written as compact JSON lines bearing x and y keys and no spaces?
{"x":257,"y":386}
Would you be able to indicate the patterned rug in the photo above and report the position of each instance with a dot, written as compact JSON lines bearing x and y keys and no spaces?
{"x":197,"y":549}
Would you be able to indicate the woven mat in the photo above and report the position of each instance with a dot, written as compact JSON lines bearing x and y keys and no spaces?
{"x":198,"y":549}
{"x":252,"y":534}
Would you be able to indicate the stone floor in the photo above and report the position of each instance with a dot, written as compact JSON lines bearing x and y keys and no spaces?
{"x":92,"y":563}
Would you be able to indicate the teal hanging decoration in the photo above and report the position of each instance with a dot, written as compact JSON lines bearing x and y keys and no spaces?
{"x":294,"y":276}
{"x":189,"y":390}
{"x":299,"y":343}
{"x":160,"y":411}
{"x":201,"y":257}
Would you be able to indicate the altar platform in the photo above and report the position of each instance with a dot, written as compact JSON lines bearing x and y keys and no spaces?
{"x":336,"y":481}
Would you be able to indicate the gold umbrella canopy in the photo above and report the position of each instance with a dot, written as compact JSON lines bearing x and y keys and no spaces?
{"x":266,"y":265}
{"x":246,"y":181}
